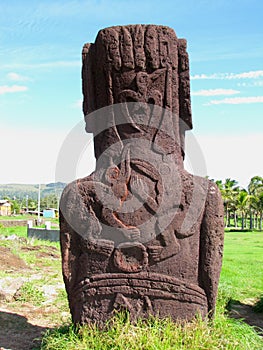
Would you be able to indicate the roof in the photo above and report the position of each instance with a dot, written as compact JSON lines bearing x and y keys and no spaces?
{"x":4,"y":201}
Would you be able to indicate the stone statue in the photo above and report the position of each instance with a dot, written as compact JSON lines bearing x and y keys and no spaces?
{"x":140,"y":233}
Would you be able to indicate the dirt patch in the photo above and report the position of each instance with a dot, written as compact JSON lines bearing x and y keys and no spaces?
{"x":23,"y":323}
{"x":23,"y":328}
{"x":17,"y":332}
{"x":10,"y":261}
{"x":246,"y":313}
{"x":38,"y":247}
{"x":42,"y":252}
{"x":47,"y":255}
{"x":31,"y":248}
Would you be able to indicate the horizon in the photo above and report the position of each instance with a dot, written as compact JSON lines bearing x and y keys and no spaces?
{"x":65,"y":183}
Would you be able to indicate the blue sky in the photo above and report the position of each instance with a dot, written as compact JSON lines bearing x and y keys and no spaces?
{"x":40,"y":79}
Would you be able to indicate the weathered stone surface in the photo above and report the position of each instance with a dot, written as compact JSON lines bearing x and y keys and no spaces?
{"x":140,"y":233}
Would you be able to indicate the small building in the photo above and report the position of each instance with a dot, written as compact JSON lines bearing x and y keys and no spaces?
{"x":5,"y":207}
{"x":50,"y":213}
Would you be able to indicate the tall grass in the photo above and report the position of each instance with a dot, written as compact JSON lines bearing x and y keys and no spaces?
{"x":155,"y":334}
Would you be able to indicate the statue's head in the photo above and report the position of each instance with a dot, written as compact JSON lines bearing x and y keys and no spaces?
{"x":145,"y":68}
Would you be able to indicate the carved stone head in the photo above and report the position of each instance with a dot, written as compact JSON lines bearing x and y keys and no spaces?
{"x":138,"y":63}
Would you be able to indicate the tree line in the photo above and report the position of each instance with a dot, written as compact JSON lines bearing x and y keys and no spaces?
{"x":243,"y":207}
{"x":31,"y":204}
{"x":21,"y":191}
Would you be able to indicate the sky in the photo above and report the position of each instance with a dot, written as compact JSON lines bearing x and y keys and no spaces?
{"x":40,"y":83}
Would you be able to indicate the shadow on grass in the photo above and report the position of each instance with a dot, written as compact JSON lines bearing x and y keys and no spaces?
{"x":17,"y":333}
{"x":246,"y":313}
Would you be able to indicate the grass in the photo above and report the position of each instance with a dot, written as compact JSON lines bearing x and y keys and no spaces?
{"x":29,"y":293}
{"x":241,"y":279}
{"x":20,"y":231}
{"x":242,"y":269}
{"x":155,"y":334}
{"x":16,"y":229}
{"x":42,"y":270}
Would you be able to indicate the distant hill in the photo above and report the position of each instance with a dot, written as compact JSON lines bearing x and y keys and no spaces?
{"x":20,"y":191}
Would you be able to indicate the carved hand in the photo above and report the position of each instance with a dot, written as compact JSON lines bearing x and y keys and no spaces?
{"x":132,"y":233}
{"x":155,"y":252}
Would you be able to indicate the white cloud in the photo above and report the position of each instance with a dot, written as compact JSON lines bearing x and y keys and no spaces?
{"x":228,"y":76}
{"x":11,"y":89}
{"x":17,"y":77}
{"x":245,"y":75}
{"x":215,"y":92}
{"x":237,"y":100}
{"x":205,"y":76}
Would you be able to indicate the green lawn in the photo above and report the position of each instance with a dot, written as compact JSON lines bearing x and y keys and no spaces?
{"x":20,"y":231}
{"x":242,"y":271}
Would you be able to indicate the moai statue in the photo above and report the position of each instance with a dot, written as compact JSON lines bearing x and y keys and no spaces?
{"x":140,"y":233}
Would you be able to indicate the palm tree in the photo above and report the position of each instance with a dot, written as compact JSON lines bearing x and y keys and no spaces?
{"x":260,"y":206}
{"x":229,"y":193}
{"x":242,"y":205}
{"x":255,"y":187}
{"x":257,"y":204}
{"x":219,"y":184}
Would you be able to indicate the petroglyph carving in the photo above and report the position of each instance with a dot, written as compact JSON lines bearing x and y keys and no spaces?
{"x":140,"y":233}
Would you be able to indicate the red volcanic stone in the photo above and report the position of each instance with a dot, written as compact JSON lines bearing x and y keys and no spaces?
{"x":140,"y":233}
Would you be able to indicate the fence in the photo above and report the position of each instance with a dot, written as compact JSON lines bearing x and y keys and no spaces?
{"x":46,"y":233}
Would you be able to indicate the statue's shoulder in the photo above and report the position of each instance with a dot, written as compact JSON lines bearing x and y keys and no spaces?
{"x":77,"y":184}
{"x":195,"y":182}
{"x":86,"y":190}
{"x":203,"y":188}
